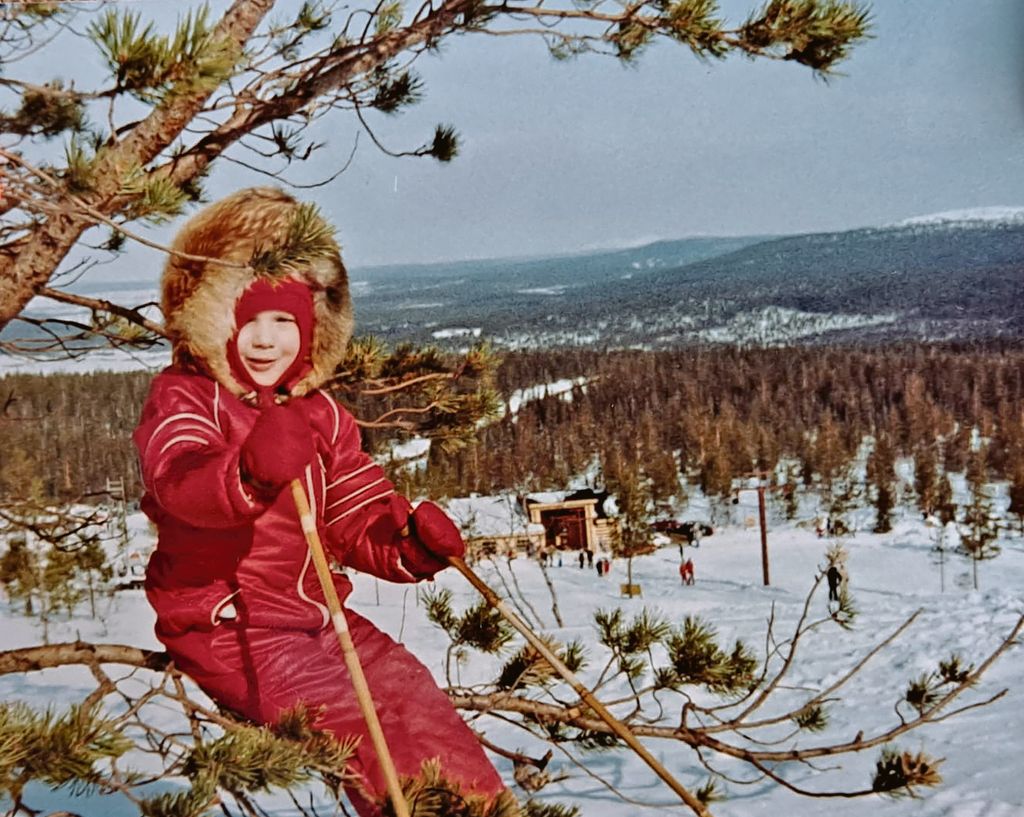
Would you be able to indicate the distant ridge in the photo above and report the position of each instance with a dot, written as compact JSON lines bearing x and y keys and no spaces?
{"x":984,"y":215}
{"x":945,"y":276}
{"x":954,"y":275}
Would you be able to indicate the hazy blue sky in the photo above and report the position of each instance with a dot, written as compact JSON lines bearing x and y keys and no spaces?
{"x":561,"y":157}
{"x":564,"y":157}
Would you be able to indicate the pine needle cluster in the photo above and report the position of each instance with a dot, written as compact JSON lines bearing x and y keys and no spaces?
{"x":442,"y":396}
{"x":899,"y":774}
{"x":309,"y":238}
{"x":57,"y":750}
{"x":695,"y":24}
{"x":445,"y":145}
{"x":254,"y":759}
{"x":249,"y":760}
{"x":815,"y":33}
{"x":431,"y":794}
{"x":924,"y":692}
{"x":696,"y":658}
{"x":153,"y":67}
{"x":632,"y":641}
{"x":528,"y":668}
{"x":79,"y":171}
{"x":811,"y":32}
{"x":395,"y":90}
{"x":812,"y":718}
{"x":709,"y":792}
{"x":156,"y":199}
{"x":46,"y":111}
{"x":845,"y":612}
{"x":287,"y":36}
{"x":480,"y":626}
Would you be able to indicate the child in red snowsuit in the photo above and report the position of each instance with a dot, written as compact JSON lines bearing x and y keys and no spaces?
{"x":225,"y":429}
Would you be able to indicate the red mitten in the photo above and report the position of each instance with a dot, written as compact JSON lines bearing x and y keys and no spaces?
{"x":277,"y":449}
{"x":436,"y":532}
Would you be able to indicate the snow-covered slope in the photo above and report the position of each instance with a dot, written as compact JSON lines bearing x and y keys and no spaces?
{"x":891,"y":576}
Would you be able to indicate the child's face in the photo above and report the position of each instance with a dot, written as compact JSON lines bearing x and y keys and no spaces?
{"x":267,"y":345}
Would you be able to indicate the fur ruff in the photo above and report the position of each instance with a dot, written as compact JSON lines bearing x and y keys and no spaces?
{"x":198,"y":297}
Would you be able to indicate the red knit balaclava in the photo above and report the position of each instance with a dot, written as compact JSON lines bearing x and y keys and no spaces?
{"x":288,"y":295}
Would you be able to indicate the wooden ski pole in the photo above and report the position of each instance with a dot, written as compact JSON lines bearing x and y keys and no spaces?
{"x":348,"y":651}
{"x":617,"y":726}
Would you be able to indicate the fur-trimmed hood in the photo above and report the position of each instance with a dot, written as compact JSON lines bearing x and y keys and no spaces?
{"x":257,"y":232}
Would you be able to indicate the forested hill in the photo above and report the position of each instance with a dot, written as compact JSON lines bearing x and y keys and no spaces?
{"x":939,"y":281}
{"x":955,"y":280}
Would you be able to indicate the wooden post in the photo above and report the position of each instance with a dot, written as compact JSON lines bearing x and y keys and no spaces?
{"x":764,"y":532}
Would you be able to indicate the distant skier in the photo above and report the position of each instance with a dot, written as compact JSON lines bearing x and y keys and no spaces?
{"x":836,"y":576}
{"x":686,"y":572}
{"x":583,"y":559}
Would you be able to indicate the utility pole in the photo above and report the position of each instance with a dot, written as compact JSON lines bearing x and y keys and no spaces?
{"x":764,"y":531}
{"x":763,"y":480}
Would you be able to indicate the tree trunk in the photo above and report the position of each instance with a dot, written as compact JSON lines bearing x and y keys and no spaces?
{"x":31,"y":262}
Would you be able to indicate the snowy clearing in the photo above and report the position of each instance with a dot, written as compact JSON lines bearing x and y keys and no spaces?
{"x":891,"y":576}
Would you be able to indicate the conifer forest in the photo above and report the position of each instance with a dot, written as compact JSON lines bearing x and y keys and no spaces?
{"x":703,"y":415}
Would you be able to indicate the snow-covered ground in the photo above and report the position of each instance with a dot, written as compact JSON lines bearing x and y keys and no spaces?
{"x":891,"y":576}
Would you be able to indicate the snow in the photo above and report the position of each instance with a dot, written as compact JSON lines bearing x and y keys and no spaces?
{"x":891,"y":576}
{"x":561,"y":387}
{"x":457,"y":332}
{"x":966,"y":217}
{"x":558,"y":289}
{"x":99,"y":360}
{"x":778,"y":325}
{"x":413,"y":450}
{"x":493,"y":516}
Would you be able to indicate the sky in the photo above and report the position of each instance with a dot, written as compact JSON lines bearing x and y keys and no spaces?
{"x":566,"y":157}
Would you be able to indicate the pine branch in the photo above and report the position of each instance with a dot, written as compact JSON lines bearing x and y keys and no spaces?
{"x":31,"y":659}
{"x":103,"y":305}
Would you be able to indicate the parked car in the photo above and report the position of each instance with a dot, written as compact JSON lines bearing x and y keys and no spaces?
{"x":686,"y":530}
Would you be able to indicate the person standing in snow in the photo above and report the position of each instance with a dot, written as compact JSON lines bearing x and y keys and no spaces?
{"x":237,"y":416}
{"x":834,"y":577}
{"x":686,"y":572}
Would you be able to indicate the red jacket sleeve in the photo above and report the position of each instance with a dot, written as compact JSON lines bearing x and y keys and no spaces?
{"x":188,"y":467}
{"x":367,"y":523}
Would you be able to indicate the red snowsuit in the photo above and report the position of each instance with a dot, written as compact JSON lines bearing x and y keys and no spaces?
{"x":238,"y":604}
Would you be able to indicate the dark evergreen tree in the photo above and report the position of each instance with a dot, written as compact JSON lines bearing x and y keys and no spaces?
{"x":881,"y":473}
